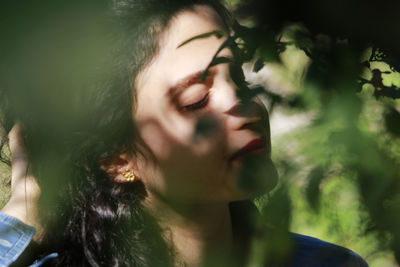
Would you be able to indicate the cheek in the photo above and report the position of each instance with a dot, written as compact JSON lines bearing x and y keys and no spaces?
{"x":155,"y":139}
{"x":168,"y":131}
{"x":187,"y":141}
{"x":191,"y":166}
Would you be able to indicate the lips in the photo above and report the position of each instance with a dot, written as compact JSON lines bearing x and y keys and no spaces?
{"x":254,"y":147}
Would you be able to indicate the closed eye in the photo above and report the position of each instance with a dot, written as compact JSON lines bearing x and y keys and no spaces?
{"x":197,"y":105}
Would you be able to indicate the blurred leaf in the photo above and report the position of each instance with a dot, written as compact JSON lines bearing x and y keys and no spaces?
{"x":315,"y":177}
{"x":258,"y":174}
{"x":206,"y":127}
{"x":245,"y":93}
{"x":392,"y":121}
{"x":297,"y":102}
{"x":277,"y":212}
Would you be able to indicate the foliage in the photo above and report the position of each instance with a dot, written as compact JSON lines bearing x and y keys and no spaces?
{"x":5,"y":184}
{"x":351,"y":87}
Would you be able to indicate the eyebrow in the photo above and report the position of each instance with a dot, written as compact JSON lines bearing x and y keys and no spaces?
{"x":201,"y":76}
{"x":189,"y":80}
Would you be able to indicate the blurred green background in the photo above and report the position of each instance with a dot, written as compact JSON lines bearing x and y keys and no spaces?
{"x":338,"y":214}
{"x":335,"y":119}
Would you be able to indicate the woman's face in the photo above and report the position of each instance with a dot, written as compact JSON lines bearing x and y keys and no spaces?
{"x":198,"y":130}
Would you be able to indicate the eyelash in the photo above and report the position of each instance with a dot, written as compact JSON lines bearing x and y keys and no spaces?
{"x":198,"y":105}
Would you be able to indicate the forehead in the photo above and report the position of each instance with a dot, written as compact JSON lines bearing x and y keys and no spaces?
{"x":172,"y":63}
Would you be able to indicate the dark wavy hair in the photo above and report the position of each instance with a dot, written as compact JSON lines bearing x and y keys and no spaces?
{"x":69,"y":128}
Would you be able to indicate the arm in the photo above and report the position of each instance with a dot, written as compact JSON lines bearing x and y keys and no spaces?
{"x":18,"y":218}
{"x":25,"y":191}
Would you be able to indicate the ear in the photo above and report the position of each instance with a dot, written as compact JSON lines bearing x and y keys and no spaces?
{"x":120,"y":168}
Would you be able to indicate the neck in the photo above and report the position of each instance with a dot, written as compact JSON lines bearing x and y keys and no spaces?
{"x":198,"y":233}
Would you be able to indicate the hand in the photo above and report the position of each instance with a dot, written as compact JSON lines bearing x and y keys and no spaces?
{"x":25,"y":190}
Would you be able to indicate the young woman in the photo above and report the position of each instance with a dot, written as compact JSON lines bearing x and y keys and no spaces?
{"x":161,"y":175}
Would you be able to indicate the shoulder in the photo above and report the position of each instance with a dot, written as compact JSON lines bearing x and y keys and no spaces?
{"x":309,"y":251}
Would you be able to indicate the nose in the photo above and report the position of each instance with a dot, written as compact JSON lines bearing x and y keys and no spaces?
{"x":241,"y":112}
{"x":250,"y":114}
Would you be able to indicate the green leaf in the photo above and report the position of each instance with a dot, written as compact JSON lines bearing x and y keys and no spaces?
{"x":228,"y":43}
{"x":258,"y":65}
{"x":216,"y":33}
{"x":215,"y":61}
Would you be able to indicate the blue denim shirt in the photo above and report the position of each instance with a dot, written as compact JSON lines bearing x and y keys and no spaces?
{"x":15,"y":236}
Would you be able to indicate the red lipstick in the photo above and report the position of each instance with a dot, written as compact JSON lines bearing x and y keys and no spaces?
{"x":254,"y":147}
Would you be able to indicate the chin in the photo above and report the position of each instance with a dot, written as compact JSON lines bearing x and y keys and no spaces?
{"x":257,"y":176}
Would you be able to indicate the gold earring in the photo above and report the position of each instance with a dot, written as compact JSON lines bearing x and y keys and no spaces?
{"x":128,"y":175}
